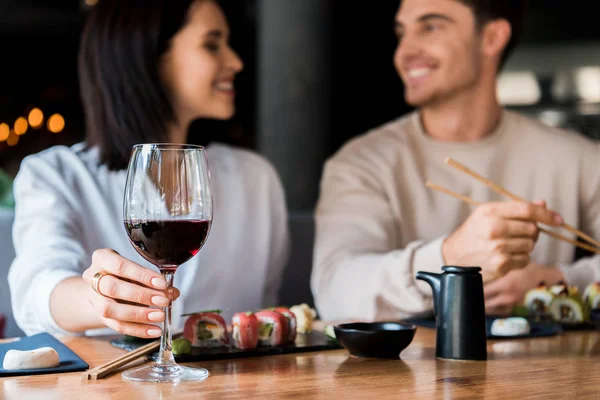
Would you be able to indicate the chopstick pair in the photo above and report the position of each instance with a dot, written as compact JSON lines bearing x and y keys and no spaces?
{"x":505,"y":192}
{"x":111,"y":366}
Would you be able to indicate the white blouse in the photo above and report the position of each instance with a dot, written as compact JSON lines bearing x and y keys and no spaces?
{"x":68,"y":205}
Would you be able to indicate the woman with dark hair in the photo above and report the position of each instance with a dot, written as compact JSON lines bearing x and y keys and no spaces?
{"x":147,"y":70}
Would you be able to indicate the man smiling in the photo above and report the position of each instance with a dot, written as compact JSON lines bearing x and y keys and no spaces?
{"x":377,"y":222}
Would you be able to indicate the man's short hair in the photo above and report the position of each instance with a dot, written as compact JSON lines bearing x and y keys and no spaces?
{"x":511,"y":10}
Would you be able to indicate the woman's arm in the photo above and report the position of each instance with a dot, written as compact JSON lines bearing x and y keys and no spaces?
{"x":50,"y":278}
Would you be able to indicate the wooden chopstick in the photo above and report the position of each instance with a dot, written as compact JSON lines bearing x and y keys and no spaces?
{"x":477,"y":203}
{"x":105,"y":369}
{"x":503,"y":191}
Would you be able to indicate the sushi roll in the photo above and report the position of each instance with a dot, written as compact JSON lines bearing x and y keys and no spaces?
{"x":561,"y":287}
{"x":291,"y":321}
{"x":591,"y":295}
{"x":538,"y":300}
{"x":206,"y":329}
{"x":568,"y":308}
{"x":244,"y":331}
{"x":304,"y":318}
{"x":272,"y":328}
{"x":513,"y":326}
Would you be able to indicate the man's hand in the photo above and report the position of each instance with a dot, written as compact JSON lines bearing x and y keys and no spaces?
{"x":503,"y":294}
{"x":498,"y":237}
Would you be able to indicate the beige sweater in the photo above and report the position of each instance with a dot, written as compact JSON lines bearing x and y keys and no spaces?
{"x":378,"y":224}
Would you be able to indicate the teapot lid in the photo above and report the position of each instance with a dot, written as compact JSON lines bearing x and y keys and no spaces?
{"x":461,"y":270}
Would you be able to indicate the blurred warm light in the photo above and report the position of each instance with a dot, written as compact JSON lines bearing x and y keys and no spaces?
{"x":21,"y":126}
{"x":13,"y":139}
{"x":587,"y":81}
{"x":4,"y":132}
{"x":36,"y":118}
{"x":518,"y":88}
{"x":91,"y":3}
{"x":56,"y":123}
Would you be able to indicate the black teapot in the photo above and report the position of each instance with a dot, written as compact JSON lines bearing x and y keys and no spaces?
{"x":459,"y":308}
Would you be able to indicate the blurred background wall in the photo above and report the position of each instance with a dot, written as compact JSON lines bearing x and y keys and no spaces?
{"x":318,"y":72}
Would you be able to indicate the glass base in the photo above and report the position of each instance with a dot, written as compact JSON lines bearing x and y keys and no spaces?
{"x":172,"y":374}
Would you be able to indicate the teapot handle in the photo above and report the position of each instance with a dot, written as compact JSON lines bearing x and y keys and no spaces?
{"x":435,"y":281}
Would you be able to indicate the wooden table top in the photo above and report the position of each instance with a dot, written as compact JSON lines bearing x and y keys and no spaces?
{"x":555,"y":367}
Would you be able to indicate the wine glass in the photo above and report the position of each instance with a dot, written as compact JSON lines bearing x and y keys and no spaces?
{"x":167,"y":213}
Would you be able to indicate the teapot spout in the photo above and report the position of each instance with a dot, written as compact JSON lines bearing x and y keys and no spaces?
{"x":435,"y":281}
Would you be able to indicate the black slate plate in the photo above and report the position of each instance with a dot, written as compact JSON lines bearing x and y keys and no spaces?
{"x":537,"y":329}
{"x":584,"y":326}
{"x":314,"y":341}
{"x":69,"y":361}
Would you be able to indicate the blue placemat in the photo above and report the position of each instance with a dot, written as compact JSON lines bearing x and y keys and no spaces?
{"x":537,"y":329}
{"x":69,"y":361}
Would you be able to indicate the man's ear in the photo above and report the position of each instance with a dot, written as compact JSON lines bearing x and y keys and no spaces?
{"x":495,"y":37}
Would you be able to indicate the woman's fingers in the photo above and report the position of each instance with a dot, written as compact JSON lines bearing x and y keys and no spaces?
{"x":110,"y":309}
{"x":113,"y":287}
{"x":133,"y":329}
{"x":111,"y":262}
{"x":126,"y":293}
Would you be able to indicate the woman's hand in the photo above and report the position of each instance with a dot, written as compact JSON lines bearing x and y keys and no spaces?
{"x":126,"y":293}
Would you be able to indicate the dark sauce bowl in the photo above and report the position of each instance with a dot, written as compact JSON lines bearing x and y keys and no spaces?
{"x":376,"y":339}
{"x":595,"y":318}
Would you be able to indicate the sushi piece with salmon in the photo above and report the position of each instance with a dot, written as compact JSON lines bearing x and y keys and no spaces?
{"x":244,"y":330}
{"x":272,"y":328}
{"x":291,"y":322}
{"x":206,"y":329}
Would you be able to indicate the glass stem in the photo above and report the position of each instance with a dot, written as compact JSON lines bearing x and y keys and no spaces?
{"x":165,"y":356}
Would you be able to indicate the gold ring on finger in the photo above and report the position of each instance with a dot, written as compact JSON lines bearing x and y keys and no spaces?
{"x":96,"y":281}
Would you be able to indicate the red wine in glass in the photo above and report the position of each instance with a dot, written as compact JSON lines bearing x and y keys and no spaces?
{"x":168,"y":243}
{"x":167,"y":213}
